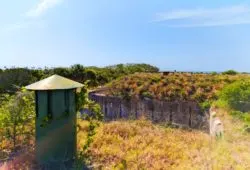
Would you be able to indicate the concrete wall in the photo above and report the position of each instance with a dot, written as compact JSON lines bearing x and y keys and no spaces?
{"x":184,"y":113}
{"x":216,"y":125}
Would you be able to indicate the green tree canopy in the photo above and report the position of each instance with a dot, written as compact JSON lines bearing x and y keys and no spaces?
{"x":230,"y":72}
{"x":237,"y":95}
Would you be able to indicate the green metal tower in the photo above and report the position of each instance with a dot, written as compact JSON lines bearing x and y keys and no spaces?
{"x":55,"y":121}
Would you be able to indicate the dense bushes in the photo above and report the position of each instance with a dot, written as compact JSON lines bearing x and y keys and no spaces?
{"x":202,"y":88}
{"x":237,"y":95}
{"x":230,"y":72}
{"x":16,"y":120}
{"x":236,"y":98}
{"x":13,"y":78}
{"x":241,"y":115}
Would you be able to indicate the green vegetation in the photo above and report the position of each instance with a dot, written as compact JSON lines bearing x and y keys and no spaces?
{"x":235,"y":98}
{"x":237,"y":95}
{"x":136,"y":144}
{"x":94,"y":119}
{"x":230,"y":72}
{"x":245,"y":116}
{"x":13,"y":78}
{"x":141,"y":145}
{"x":16,"y":121}
{"x":227,"y":91}
{"x":175,"y":86}
{"x":17,"y":125}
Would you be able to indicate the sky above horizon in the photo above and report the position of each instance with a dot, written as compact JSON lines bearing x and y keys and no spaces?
{"x":170,"y":34}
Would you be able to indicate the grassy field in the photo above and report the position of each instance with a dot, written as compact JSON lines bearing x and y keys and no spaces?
{"x":142,"y":145}
{"x":139,"y":144}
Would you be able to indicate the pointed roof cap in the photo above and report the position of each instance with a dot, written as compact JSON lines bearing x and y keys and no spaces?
{"x":54,"y":82}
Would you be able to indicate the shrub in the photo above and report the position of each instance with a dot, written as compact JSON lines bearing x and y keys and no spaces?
{"x":16,"y":119}
{"x":205,"y":105}
{"x":220,"y":104}
{"x":147,"y":94}
{"x":247,"y":117}
{"x":230,"y":72}
{"x":241,"y":115}
{"x":214,"y":73}
{"x":237,"y":95}
{"x":178,"y":86}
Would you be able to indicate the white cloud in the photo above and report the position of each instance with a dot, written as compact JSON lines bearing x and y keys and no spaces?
{"x":202,"y":17}
{"x":26,"y":22}
{"x":42,"y":7}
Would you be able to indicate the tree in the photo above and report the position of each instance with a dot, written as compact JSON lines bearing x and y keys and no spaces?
{"x":15,"y":77}
{"x":38,"y":74}
{"x":65,"y":72}
{"x":91,"y":75}
{"x":16,"y":117}
{"x":78,"y":73}
{"x":11,"y":78}
{"x":230,"y":72}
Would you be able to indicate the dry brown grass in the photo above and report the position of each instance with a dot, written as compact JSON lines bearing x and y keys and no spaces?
{"x":142,"y":145}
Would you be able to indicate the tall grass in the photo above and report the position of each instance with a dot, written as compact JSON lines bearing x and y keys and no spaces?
{"x":142,"y":145}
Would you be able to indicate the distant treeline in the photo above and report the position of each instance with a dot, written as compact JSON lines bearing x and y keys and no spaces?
{"x":13,"y":78}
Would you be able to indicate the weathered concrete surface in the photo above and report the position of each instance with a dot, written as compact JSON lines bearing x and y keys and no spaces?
{"x":184,"y":113}
{"x":216,"y":126}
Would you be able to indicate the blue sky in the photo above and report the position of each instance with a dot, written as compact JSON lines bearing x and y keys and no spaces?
{"x":171,"y":34}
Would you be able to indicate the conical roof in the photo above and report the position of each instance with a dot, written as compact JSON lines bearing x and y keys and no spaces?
{"x":54,"y":82}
